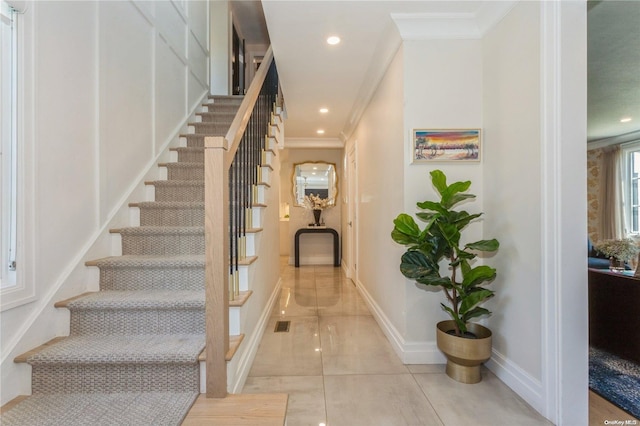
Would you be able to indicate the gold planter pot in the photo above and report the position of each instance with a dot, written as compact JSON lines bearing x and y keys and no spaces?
{"x":464,"y":356}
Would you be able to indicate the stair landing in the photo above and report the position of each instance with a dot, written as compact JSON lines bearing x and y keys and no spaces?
{"x":267,"y":409}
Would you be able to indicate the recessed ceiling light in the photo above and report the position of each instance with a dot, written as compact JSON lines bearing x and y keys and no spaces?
{"x":333,"y":40}
{"x":324,"y":110}
{"x":320,"y":132}
{"x":625,"y":119}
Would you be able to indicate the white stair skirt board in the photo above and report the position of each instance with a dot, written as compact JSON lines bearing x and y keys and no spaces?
{"x":238,"y":368}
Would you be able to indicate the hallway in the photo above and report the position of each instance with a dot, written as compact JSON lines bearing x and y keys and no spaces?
{"x":339,"y":369}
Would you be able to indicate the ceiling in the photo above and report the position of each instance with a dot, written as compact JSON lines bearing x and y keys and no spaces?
{"x":613,"y":68}
{"x":342,"y":78}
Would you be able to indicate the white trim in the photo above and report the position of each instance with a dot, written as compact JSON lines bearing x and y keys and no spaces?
{"x":241,"y":372}
{"x":409,"y":352}
{"x":25,"y":290}
{"x":550,"y":53}
{"x":564,"y":364}
{"x":451,"y":26}
{"x":521,"y":382}
{"x":614,"y":140}
{"x":322,"y":143}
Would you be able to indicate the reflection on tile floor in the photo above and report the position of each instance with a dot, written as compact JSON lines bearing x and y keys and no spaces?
{"x":339,"y":369}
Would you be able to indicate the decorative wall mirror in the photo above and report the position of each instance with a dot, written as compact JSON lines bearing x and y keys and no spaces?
{"x":314,"y":177}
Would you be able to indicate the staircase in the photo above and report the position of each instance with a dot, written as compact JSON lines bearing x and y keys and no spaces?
{"x":135,"y":347}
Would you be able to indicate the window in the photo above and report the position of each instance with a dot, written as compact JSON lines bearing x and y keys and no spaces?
{"x":630,"y":187}
{"x":9,"y":145}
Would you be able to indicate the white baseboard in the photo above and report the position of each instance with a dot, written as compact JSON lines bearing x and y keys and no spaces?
{"x":248,"y":355}
{"x":410,"y":352}
{"x":529,"y":388}
{"x":417,"y":352}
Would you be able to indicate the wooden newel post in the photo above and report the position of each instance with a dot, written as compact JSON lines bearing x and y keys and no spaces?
{"x":216,"y":228}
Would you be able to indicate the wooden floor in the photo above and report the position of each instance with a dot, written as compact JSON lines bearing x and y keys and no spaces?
{"x":600,"y":410}
{"x":267,"y":409}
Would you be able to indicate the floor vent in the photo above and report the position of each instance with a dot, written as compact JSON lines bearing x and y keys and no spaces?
{"x":282,"y":327}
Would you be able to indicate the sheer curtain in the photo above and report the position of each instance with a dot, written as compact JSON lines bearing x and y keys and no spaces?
{"x":611,"y":219}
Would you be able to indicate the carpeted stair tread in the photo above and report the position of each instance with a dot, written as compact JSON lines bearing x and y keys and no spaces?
{"x":117,"y":349}
{"x":162,"y":205}
{"x":226,"y":98}
{"x":183,"y":165}
{"x":136,"y":300}
{"x":159,"y":230}
{"x":75,"y":409}
{"x":175,"y":183}
{"x":150,"y":261}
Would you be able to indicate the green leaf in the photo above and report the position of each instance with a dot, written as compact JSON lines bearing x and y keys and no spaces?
{"x":405,"y":224}
{"x":484,"y":245}
{"x":478,"y":275}
{"x":435,"y":280}
{"x":471,"y":300}
{"x":439,"y":180}
{"x":450,"y":233}
{"x":459,"y":321}
{"x":433,"y":206}
{"x":415,"y":264}
{"x":463,"y":218}
{"x":404,"y":239}
{"x":455,"y":199}
{"x":474,"y":313}
{"x":452,"y":195}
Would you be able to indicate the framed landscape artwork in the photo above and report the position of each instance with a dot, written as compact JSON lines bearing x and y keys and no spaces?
{"x":455,"y":145}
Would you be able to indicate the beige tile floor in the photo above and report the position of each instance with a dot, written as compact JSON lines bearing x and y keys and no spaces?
{"x":339,"y":369}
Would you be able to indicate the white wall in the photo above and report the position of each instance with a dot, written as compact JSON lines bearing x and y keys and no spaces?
{"x":380,"y":138}
{"x":523,"y":83}
{"x":221,"y":29}
{"x":443,"y":90}
{"x":512,"y":124}
{"x":111,"y":85}
{"x":314,"y":249}
{"x":430,"y":84}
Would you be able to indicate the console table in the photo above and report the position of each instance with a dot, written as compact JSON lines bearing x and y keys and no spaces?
{"x":614,"y":323}
{"x":336,"y":243}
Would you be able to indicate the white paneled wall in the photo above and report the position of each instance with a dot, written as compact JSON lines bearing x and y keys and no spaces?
{"x":108,"y":86}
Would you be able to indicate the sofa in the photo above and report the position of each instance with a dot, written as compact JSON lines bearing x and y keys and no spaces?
{"x":596,"y":260}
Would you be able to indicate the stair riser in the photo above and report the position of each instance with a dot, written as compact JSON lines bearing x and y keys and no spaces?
{"x":225,"y":100}
{"x":172,"y":217}
{"x":179,"y":193}
{"x":191,"y":156}
{"x":152,"y":279}
{"x":162,"y":244}
{"x":137,"y":322}
{"x":217,"y":117}
{"x":109,"y":378}
{"x":175,"y":172}
{"x":210,"y":128}
{"x":194,"y":141}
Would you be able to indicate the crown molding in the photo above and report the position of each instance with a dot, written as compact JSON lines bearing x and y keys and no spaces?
{"x":318,"y":143}
{"x":422,"y":26}
{"x":451,"y":26}
{"x":615,"y":140}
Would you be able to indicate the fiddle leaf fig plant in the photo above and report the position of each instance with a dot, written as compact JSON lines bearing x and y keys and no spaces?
{"x":440,"y":240}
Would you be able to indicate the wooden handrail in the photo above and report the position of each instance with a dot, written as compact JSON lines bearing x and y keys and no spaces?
{"x":219,"y":155}
{"x":239,"y":123}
